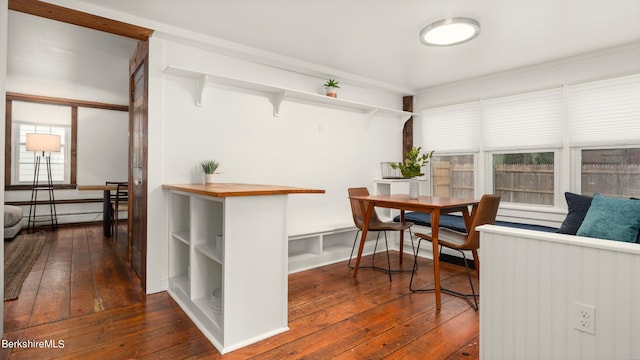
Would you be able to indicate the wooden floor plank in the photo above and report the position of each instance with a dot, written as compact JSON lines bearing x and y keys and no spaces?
{"x":83,"y":290}
{"x":331,"y":315}
{"x":52,"y":298}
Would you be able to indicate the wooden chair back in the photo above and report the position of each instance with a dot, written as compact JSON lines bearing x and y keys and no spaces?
{"x":358,"y":217}
{"x":485,"y":214}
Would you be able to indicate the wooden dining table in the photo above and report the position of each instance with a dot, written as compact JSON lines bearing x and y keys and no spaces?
{"x":106,"y":203}
{"x":435,"y":205}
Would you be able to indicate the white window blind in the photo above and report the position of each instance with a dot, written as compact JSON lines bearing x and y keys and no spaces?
{"x":452,"y":128}
{"x":604,"y":112}
{"x":530,"y":120}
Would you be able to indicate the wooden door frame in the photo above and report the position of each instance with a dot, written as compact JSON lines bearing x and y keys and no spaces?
{"x":75,"y":17}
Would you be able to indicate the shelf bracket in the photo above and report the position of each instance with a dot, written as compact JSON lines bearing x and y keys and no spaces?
{"x":200,"y":83}
{"x":404,"y":117}
{"x":368,"y":117}
{"x":277,"y":100}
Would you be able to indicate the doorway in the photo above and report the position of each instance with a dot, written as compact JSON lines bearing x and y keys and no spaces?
{"x":46,"y":11}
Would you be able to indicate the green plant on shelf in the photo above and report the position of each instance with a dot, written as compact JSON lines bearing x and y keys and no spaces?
{"x":209,"y":166}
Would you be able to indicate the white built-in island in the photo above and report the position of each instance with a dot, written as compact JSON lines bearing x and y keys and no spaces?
{"x":228,"y":259}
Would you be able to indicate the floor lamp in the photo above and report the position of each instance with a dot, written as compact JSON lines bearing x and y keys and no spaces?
{"x":41,"y":143}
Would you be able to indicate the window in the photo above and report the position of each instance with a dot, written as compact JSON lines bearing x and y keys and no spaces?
{"x":25,"y":160}
{"x":453,"y":175}
{"x":32,"y":117}
{"x":526,"y":178}
{"x":610,"y":172}
{"x":104,"y":128}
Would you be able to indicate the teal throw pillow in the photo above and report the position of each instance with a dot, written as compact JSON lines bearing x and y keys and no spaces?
{"x":612,"y":219}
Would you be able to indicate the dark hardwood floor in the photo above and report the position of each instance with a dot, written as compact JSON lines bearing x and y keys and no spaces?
{"x":80,"y":292}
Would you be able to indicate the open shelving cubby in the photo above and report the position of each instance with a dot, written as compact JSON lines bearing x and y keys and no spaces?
{"x":196,"y":260}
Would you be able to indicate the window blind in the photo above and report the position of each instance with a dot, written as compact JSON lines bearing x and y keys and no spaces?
{"x":529,"y":120}
{"x":452,"y":128}
{"x":604,"y":112}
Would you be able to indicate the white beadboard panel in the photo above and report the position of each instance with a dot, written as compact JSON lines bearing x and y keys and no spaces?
{"x":530,"y":282}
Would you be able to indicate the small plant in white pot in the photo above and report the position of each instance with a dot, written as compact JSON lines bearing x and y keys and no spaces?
{"x":209,"y":167}
{"x":331,"y":87}
{"x":411,"y":168}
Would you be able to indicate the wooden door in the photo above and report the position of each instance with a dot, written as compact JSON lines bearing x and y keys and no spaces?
{"x":138,"y":114}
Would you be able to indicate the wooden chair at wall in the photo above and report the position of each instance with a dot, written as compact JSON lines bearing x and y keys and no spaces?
{"x":375,"y":225}
{"x":470,"y":241}
{"x":119,"y":203}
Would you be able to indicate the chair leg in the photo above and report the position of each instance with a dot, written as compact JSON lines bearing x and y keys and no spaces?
{"x":115,"y":227}
{"x":413,"y":248}
{"x":386,"y":243}
{"x":415,"y":265}
{"x":476,"y":262}
{"x":352,"y":249}
{"x":473,"y":292}
{"x":375,"y":248}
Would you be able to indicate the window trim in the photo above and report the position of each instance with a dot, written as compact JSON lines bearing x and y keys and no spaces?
{"x":64,"y":148}
{"x":73,"y":144}
{"x":557,"y":178}
{"x":576,"y":158}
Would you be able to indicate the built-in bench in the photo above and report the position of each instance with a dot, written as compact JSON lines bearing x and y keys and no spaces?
{"x":456,"y":222}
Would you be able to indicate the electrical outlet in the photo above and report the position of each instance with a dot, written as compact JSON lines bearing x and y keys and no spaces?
{"x":585,"y":318}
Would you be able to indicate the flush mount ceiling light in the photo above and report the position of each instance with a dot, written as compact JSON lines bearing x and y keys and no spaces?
{"x":450,"y":31}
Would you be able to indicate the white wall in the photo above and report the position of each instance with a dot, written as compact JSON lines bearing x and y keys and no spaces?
{"x":103,"y":146}
{"x":308,"y":145}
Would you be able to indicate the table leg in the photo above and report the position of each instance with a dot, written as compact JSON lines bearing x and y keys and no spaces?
{"x":435,"y":223}
{"x":401,"y":237}
{"x":106,"y":213}
{"x":365,"y":228}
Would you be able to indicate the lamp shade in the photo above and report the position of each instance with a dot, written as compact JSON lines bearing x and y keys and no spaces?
{"x":43,"y":142}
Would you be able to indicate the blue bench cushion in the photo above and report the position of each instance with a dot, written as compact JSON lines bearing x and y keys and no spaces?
{"x":456,"y":222}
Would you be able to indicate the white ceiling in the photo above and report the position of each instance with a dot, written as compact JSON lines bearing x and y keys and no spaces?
{"x":378,"y":39}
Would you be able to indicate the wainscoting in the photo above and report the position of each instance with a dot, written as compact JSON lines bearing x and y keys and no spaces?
{"x":533,"y":284}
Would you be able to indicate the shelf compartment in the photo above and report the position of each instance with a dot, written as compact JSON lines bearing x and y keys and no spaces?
{"x":183,"y":236}
{"x":203,"y":305}
{"x":207,"y":217}
{"x":180,"y":216}
{"x":213,"y":251}
{"x":181,"y":284}
{"x":308,"y":245}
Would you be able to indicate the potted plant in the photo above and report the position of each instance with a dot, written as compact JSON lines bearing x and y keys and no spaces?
{"x":331,"y":87}
{"x":412,"y":168}
{"x":209,"y":168}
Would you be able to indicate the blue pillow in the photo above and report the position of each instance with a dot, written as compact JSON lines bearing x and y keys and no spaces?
{"x":612,"y":219}
{"x":578,"y":206}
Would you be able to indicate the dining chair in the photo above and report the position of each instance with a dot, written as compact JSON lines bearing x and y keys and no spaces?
{"x":469,"y":241}
{"x":119,"y":203}
{"x":376,"y":224}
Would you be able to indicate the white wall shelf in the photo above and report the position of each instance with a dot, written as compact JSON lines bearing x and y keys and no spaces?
{"x":279,"y":94}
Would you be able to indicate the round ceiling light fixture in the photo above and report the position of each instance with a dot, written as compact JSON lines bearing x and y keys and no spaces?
{"x":450,"y":31}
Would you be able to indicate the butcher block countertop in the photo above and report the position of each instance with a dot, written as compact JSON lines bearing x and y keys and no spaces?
{"x":234,"y":189}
